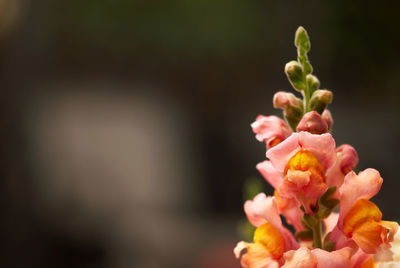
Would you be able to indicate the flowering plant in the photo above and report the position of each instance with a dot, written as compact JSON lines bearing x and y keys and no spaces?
{"x":316,"y":189}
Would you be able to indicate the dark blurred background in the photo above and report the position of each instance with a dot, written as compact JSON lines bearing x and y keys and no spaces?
{"x":125,"y":123}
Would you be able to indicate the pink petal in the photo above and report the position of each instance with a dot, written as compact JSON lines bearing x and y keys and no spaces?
{"x":269,"y":128}
{"x":341,"y":240}
{"x":293,"y":217}
{"x":290,"y":209}
{"x":288,"y":189}
{"x":364,"y":185}
{"x":322,"y":146}
{"x":316,"y":188}
{"x":300,"y":178}
{"x":264,"y":209}
{"x":270,"y":174}
{"x":335,"y":259}
{"x":281,"y":154}
{"x":256,"y":257}
{"x":359,"y":258}
{"x":300,"y":258}
{"x":331,"y":221}
{"x":258,"y":209}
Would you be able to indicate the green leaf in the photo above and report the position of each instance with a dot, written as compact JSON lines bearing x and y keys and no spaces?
{"x":331,"y":190}
{"x":324,"y":213}
{"x":328,"y":245}
{"x":330,"y":203}
{"x":309,"y":220}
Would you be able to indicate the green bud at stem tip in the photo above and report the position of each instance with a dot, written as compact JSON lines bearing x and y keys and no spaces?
{"x":302,"y":41}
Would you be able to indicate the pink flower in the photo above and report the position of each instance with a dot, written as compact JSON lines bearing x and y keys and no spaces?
{"x":263,"y":209}
{"x":288,"y":207}
{"x":360,"y":220}
{"x":270,"y":129}
{"x":303,"y":159}
{"x":271,"y":238}
{"x":321,"y":146}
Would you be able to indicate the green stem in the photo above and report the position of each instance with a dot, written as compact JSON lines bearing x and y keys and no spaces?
{"x":306,"y":98}
{"x":317,"y":240}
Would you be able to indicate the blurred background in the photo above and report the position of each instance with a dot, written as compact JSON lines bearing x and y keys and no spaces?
{"x":125,"y":124}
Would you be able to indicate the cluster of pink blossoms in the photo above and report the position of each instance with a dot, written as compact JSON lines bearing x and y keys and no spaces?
{"x":316,"y":189}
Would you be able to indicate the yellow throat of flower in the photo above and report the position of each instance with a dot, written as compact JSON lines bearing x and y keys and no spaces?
{"x":305,"y":161}
{"x":268,"y":236}
{"x":363,"y":223}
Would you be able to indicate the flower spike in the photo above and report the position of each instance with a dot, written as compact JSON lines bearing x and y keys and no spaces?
{"x":315,"y":187}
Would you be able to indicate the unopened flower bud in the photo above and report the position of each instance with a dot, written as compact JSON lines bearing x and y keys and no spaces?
{"x":349,"y":158}
{"x":320,"y":99}
{"x":284,"y":100}
{"x":313,"y":123}
{"x":294,"y":72}
{"x":312,"y":83}
{"x":302,"y":40}
{"x":326,"y":115}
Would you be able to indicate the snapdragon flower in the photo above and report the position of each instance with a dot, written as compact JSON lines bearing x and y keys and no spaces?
{"x":316,"y":189}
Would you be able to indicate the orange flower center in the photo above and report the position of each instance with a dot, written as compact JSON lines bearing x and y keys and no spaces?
{"x":271,"y":239}
{"x":361,"y":212}
{"x":363,"y":223}
{"x":305,"y":161}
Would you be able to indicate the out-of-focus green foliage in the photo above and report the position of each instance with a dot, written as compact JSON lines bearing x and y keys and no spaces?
{"x":252,"y":187}
{"x":220,"y":27}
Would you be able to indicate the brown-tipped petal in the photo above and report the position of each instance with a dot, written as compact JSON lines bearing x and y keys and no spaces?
{"x":312,"y":122}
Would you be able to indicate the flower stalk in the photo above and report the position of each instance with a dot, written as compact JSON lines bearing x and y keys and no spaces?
{"x":317,"y":237}
{"x":311,"y":177}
